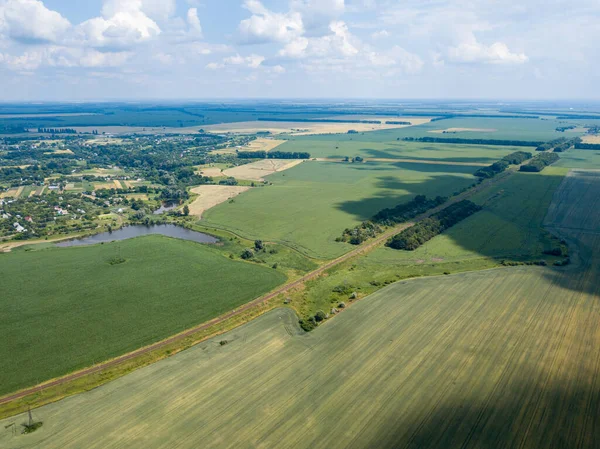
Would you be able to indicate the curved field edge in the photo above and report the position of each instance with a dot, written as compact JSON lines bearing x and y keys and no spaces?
{"x":90,"y":304}
{"x":471,"y":359}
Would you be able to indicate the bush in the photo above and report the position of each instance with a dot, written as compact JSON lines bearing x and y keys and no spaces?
{"x":247,"y":254}
{"x":307,"y":325}
{"x":320,"y":316}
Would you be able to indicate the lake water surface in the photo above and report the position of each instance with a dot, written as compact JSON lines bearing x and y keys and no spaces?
{"x":129,"y":232}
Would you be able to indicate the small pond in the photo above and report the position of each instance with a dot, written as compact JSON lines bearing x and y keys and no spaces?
{"x":165,"y":207}
{"x":129,"y":232}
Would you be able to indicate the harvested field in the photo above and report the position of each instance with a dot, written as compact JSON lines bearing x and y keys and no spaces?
{"x":496,"y":359}
{"x":255,"y":171}
{"x":103,"y":185}
{"x":212,"y":172}
{"x":137,"y":196}
{"x":591,"y":138}
{"x":59,"y":152}
{"x":304,"y":128}
{"x":10,"y":193}
{"x":459,"y":130}
{"x":211,"y":195}
{"x":263,"y":144}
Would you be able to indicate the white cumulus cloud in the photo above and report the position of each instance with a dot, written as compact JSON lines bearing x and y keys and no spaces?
{"x":31,"y":21}
{"x":475,"y":52}
{"x":267,"y":26}
{"x":123,"y":23}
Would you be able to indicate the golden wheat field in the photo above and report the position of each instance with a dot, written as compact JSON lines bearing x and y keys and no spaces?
{"x":503,"y":358}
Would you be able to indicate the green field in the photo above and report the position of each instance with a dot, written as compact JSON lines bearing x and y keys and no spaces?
{"x":311,"y":204}
{"x":494,"y":359}
{"x":503,"y":128}
{"x":67,"y":308}
{"x":510,"y":227}
{"x":339,"y":146}
{"x":587,"y":159}
{"x":510,"y":224}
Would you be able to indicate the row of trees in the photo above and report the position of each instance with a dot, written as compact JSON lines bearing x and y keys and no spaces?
{"x":57,"y":130}
{"x":559,"y":145}
{"x":458,"y":140}
{"x":317,"y":120}
{"x":587,"y":146}
{"x":273,"y":155}
{"x":539,"y":162}
{"x":413,"y":237}
{"x":389,"y":217}
{"x":516,"y":158}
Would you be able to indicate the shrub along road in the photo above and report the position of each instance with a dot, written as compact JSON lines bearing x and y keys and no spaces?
{"x":368,"y":246}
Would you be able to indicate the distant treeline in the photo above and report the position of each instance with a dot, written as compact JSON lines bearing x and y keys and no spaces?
{"x":57,"y":130}
{"x":578,"y":117}
{"x":559,"y":145}
{"x":317,"y":120}
{"x":272,"y":155}
{"x":458,"y":140}
{"x":540,"y":161}
{"x":11,"y":129}
{"x":389,"y":217}
{"x":562,"y":129}
{"x":397,"y":123}
{"x":516,"y":158}
{"x":413,"y":237}
{"x":587,"y":146}
{"x":449,"y":116}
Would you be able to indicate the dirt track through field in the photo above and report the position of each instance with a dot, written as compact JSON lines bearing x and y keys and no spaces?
{"x":281,"y":290}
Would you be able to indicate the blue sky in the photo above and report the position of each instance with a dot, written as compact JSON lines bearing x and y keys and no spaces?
{"x":177,"y":49}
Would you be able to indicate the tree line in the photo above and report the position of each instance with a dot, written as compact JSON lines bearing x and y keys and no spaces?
{"x":57,"y":130}
{"x":587,"y":146}
{"x":389,"y":217}
{"x":413,"y":237}
{"x":539,"y":162}
{"x":516,"y":158}
{"x":559,"y":145}
{"x":458,"y":140}
{"x":273,"y":155}
{"x":317,"y":120}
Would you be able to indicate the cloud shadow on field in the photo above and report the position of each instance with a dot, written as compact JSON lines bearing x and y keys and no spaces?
{"x":365,"y":208}
{"x":399,"y":153}
{"x":510,"y":226}
{"x":565,"y":419}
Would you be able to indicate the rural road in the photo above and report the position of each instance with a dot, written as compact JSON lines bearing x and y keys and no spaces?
{"x":281,"y":290}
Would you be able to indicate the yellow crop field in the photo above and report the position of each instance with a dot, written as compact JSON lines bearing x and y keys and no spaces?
{"x":211,"y":195}
{"x":256,"y":171}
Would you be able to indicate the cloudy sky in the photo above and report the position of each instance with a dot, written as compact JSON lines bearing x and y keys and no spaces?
{"x":176,"y":49}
